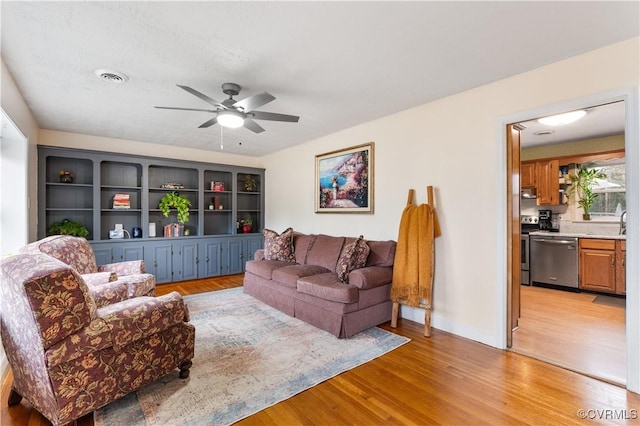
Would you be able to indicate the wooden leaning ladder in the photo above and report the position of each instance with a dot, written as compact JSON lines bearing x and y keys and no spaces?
{"x":427,"y":301}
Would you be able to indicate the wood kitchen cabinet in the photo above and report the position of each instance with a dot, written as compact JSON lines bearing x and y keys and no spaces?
{"x":543,"y":176}
{"x":528,"y":175}
{"x":547,"y":183}
{"x":621,"y":267}
{"x":602,"y":265}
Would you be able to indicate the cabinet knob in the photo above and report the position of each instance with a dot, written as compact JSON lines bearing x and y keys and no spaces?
{"x":207,"y":259}
{"x":155,"y":264}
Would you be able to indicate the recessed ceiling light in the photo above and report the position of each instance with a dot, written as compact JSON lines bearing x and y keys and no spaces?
{"x":111,"y":76}
{"x":561,"y":119}
{"x":544,"y":132}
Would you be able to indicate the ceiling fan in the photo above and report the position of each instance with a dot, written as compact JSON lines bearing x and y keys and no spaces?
{"x":234,"y":114}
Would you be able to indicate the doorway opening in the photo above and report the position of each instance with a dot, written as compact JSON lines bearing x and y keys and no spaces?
{"x":567,"y":321}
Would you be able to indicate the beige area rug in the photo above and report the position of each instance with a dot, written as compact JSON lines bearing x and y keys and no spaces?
{"x":248,"y":356}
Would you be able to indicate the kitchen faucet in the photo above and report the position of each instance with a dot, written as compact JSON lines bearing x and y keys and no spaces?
{"x":623,"y":224}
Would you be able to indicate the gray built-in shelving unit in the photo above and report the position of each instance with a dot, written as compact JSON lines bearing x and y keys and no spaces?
{"x":215,"y":244}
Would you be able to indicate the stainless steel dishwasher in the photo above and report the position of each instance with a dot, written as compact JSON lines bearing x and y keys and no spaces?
{"x":554,"y":260}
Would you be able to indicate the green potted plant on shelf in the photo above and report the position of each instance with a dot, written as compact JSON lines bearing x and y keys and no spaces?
{"x":246,"y":224}
{"x":178,"y":202}
{"x":582,"y":184}
{"x":249,"y":183}
{"x":68,"y":227}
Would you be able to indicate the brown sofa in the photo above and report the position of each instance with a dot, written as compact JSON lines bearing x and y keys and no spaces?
{"x":309,"y":288}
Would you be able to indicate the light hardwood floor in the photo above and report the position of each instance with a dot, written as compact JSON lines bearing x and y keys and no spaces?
{"x":443,"y":380}
{"x":570,"y":330}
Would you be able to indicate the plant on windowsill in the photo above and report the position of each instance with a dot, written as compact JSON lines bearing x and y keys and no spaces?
{"x":177,"y":201}
{"x":68,"y":227}
{"x":582,"y":186}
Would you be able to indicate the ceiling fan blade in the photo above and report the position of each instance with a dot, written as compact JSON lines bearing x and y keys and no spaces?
{"x":200,"y":95}
{"x":186,"y":109}
{"x":261,"y":115}
{"x":255,"y":101}
{"x":253,"y":126}
{"x":209,"y":123}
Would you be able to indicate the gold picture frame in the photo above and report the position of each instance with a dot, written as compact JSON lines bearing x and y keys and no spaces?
{"x":344,"y":180}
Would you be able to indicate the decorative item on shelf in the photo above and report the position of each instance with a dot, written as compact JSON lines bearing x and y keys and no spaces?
{"x":65,"y":176}
{"x":177,"y":201}
{"x":217,"y":185}
{"x":216,"y":203}
{"x":172,"y":185}
{"x":582,"y":184}
{"x":121,"y":201}
{"x":249,"y":183}
{"x":68,"y":227}
{"x":136,"y":232}
{"x":174,"y":230}
{"x":246,"y":224}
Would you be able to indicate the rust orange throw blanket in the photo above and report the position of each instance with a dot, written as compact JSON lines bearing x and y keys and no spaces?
{"x":414,"y":261}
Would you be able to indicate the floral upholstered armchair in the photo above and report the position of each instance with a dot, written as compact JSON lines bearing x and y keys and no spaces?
{"x":108,"y":284}
{"x":69,"y":357}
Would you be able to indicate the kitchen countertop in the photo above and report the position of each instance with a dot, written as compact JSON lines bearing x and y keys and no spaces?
{"x":577,"y":235}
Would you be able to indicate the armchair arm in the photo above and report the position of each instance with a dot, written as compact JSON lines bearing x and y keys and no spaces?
{"x":99,"y":278}
{"x":128,"y":267}
{"x":120,"y":324}
{"x":140,"y":317}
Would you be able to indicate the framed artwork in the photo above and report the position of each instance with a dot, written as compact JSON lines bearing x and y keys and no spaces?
{"x":344,"y":180}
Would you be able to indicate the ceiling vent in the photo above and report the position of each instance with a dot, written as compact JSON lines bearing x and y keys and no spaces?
{"x":111,"y":76}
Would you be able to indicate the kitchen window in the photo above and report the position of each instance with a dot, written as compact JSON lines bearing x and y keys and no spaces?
{"x":612,"y":192}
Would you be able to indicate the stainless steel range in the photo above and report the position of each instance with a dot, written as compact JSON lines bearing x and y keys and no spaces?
{"x":527,"y":224}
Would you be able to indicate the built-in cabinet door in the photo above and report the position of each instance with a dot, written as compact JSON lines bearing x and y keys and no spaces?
{"x":126,"y":253}
{"x":234,"y":256}
{"x":210,"y":259}
{"x":103,"y":255}
{"x":158,"y":260}
{"x":185,"y":261}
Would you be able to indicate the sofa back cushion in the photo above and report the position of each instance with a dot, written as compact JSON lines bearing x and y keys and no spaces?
{"x":325,"y":251}
{"x":382,"y":253}
{"x":301,"y":244}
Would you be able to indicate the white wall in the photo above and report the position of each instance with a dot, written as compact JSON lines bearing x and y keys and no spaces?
{"x":453,"y":144}
{"x":98,"y":143}
{"x":14,"y":106}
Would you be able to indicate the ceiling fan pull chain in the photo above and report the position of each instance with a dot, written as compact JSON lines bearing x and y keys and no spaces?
{"x":221,"y":138}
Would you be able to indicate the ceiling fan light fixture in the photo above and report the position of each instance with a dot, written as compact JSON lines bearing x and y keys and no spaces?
{"x":231,"y":118}
{"x":562,"y":119}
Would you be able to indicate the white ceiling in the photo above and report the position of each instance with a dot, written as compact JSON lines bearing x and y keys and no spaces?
{"x":335,"y":64}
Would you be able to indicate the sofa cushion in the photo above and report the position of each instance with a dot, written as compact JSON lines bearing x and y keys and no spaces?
{"x":265,"y":268}
{"x":328,"y":287}
{"x":325,"y":251}
{"x":279,"y":246}
{"x":289,"y":275}
{"x":301,"y":244}
{"x":382,"y":253}
{"x":354,"y":256}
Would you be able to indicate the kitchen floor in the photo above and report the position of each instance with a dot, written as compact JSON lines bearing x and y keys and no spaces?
{"x":582,"y":332}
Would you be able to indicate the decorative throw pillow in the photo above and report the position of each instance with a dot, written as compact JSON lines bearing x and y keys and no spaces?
{"x":279,"y":247}
{"x":354,"y":257}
